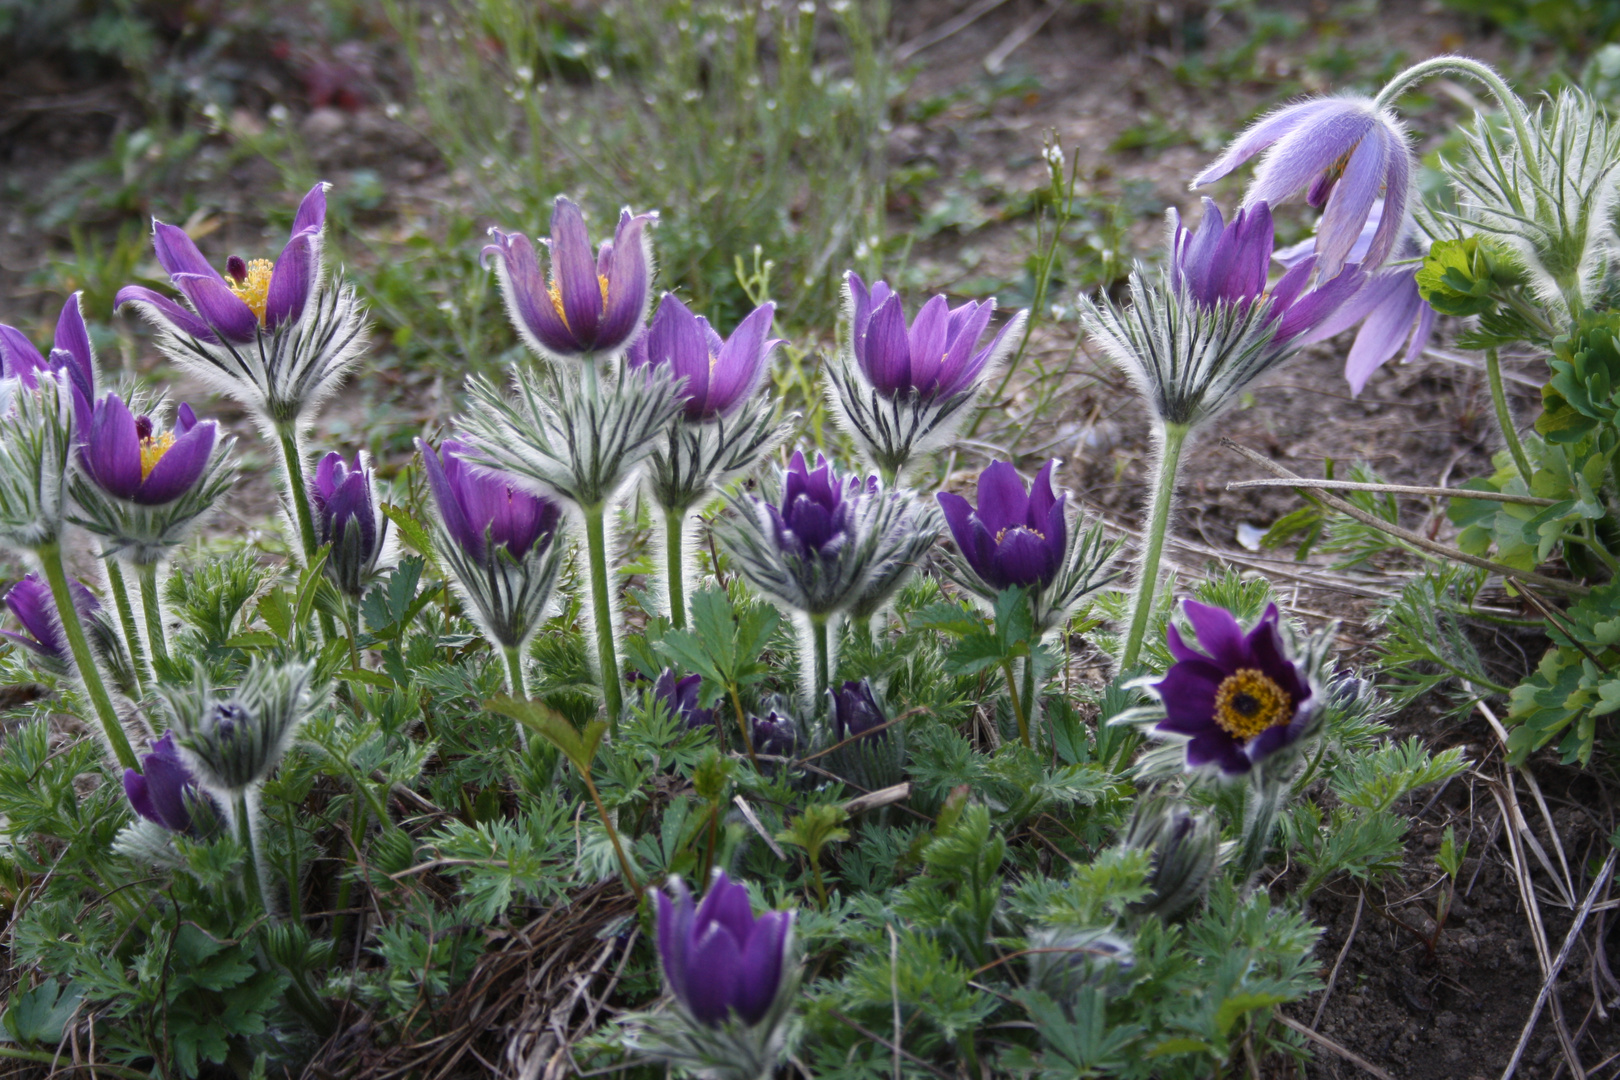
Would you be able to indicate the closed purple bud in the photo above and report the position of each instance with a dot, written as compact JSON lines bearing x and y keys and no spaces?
{"x":164,"y":788}
{"x":816,"y":504}
{"x":347,"y":518}
{"x":720,"y":961}
{"x":774,"y":734}
{"x":681,"y":697}
{"x":856,"y":712}
{"x":481,"y":510}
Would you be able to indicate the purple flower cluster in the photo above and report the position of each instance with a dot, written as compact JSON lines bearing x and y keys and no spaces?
{"x":346,"y":517}
{"x":814,"y":518}
{"x":71,"y":353}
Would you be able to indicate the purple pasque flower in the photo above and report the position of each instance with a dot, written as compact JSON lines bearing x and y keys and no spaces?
{"x":128,"y":458}
{"x":681,"y":697}
{"x":1241,"y":699}
{"x":71,"y":352}
{"x":1389,"y":306}
{"x":856,"y":712}
{"x":719,"y":960}
{"x":590,"y":304}
{"x":936,"y":358}
{"x":817,"y":506}
{"x":774,"y":734}
{"x":258,"y":296}
{"x":1345,"y":153}
{"x":1014,"y":538}
{"x":720,"y":375}
{"x":30,"y":600}
{"x":347,"y":518}
{"x":480,"y":509}
{"x":163,"y":791}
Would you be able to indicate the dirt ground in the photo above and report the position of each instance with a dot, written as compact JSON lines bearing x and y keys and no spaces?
{"x":1455,"y":1012}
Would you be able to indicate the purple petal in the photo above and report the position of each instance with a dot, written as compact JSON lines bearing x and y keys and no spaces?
{"x":1198,"y":262}
{"x":1022,"y":558}
{"x":18,"y":357}
{"x":73,"y":338}
{"x":674,"y":930}
{"x":1315,"y":306}
{"x":1385,"y":331}
{"x":219,"y":307}
{"x":1002,"y":501}
{"x":155,"y":306}
{"x":888,"y":350}
{"x":329,"y":474}
{"x":1219,"y":634}
{"x":713,"y":962}
{"x":573,"y":270}
{"x":761,"y":973}
{"x":528,"y":294}
{"x":166,"y":782}
{"x":962,"y":363}
{"x":184,"y":419}
{"x":178,"y":254}
{"x":741,"y":360}
{"x":1420,"y":336}
{"x":1397,"y":190}
{"x":1262,"y":133}
{"x":727,"y":904}
{"x":138,"y":792}
{"x":311,"y":216}
{"x":1348,"y":206}
{"x":1295,"y":160}
{"x":290,"y":282}
{"x":179,"y":467}
{"x":445,"y":498}
{"x":958,"y":512}
{"x":926,"y":343}
{"x":1188,"y":691}
{"x":112,"y":451}
{"x":1041,"y":498}
{"x":629,"y":281}
{"x":1290,"y":285}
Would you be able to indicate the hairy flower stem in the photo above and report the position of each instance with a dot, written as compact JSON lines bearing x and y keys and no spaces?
{"x":607,"y":660}
{"x":674,"y":526}
{"x":1173,"y":437}
{"x":1259,"y":822}
{"x":1504,"y":417}
{"x":126,"y":620}
{"x":152,"y":608}
{"x":1483,"y":73}
{"x":50,"y":557}
{"x":253,"y":880}
{"x":613,"y":835}
{"x":823,"y":659}
{"x":1017,"y":706}
{"x":516,"y":686}
{"x":292,"y":459}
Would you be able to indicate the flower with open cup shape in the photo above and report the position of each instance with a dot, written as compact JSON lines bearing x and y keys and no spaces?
{"x":721,"y":374}
{"x":30,"y":601}
{"x":163,"y":791}
{"x":720,"y":961}
{"x":1240,"y":700}
{"x":592,"y":304}
{"x":128,"y":458}
{"x":1345,"y":152}
{"x":348,"y":518}
{"x":901,"y":391}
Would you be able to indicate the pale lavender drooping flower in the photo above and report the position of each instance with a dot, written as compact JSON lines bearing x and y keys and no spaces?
{"x":1346,"y":154}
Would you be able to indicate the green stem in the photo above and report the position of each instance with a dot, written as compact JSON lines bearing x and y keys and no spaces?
{"x":57,"y":1061}
{"x":1173,"y":438}
{"x":50,"y":557}
{"x":1017,"y":706}
{"x":152,"y":607}
{"x":674,"y":526}
{"x":126,"y":619}
{"x":357,"y":826}
{"x":613,"y":835}
{"x":253,"y":880}
{"x":823,"y":660}
{"x":1504,"y":418}
{"x":607,"y":659}
{"x":1259,"y":822}
{"x":1483,"y":73}
{"x":354,"y":632}
{"x":292,"y":459}
{"x":515,"y":683}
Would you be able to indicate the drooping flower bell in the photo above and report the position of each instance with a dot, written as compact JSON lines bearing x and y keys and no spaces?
{"x":591,"y":305}
{"x":272,"y":336}
{"x":721,"y":962}
{"x":1243,"y":698}
{"x":1346,"y":153}
{"x":30,"y":601}
{"x":898,"y":392}
{"x":1023,"y":539}
{"x":498,"y":541}
{"x":164,"y":792}
{"x":348,"y":517}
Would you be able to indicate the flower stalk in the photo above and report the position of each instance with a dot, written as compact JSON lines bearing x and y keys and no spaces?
{"x":152,"y":609}
{"x":252,"y":881}
{"x":1172,"y":439}
{"x":1504,"y":416}
{"x":674,"y":568}
{"x":50,"y":557}
{"x":126,"y":620}
{"x":297,"y":489}
{"x":607,"y":659}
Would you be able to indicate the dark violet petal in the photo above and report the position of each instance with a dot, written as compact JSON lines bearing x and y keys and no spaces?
{"x":1056,"y":531}
{"x":1219,"y":634}
{"x":1266,"y":652}
{"x":1269,"y":741}
{"x":31,"y":602}
{"x":726,"y":903}
{"x":1352,"y":198}
{"x":290,"y":282}
{"x":761,"y":972}
{"x":1212,"y":746}
{"x":18,"y":357}
{"x":1246,"y":277}
{"x":1022,"y":558}
{"x":156,"y":306}
{"x":1041,"y":497}
{"x":888,"y":350}
{"x":179,"y":467}
{"x":329,"y":474}
{"x":1290,"y":285}
{"x":73,"y":338}
{"x":1002,"y":501}
{"x":1188,"y":692}
{"x":674,"y":931}
{"x":957,"y":511}
{"x":219,"y":307}
{"x":184,"y":419}
{"x":112,"y":450}
{"x":713,"y":971}
{"x":178,"y":254}
{"x":1198,"y":263}
{"x":981,"y":554}
{"x":1179,"y":648}
{"x":573,"y":270}
{"x":311,"y":216}
{"x":529,"y":295}
{"x":629,"y":282}
{"x":860,"y":303}
{"x":138,"y":792}
{"x":166,"y":782}
{"x":1315,"y":306}
{"x":1261,"y":134}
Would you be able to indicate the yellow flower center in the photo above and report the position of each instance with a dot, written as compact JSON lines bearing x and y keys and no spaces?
{"x":1002,"y":535}
{"x":254,"y":289}
{"x":556,"y":297}
{"x":153,"y":447}
{"x":1248,"y":703}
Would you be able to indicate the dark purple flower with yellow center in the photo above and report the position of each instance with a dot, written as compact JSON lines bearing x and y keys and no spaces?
{"x":1241,"y":699}
{"x":163,"y":791}
{"x":856,"y":712}
{"x":1014,"y":537}
{"x":128,"y":458}
{"x":481,"y":510}
{"x":347,"y":518}
{"x":721,"y":962}
{"x":591,"y":303}
{"x":31,"y":602}
{"x":1345,"y":153}
{"x":937,"y":357}
{"x":257,"y":295}
{"x":720,"y":375}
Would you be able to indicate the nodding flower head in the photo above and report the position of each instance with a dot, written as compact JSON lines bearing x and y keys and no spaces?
{"x":164,"y":791}
{"x":481,"y":510}
{"x":1345,"y":153}
{"x":347,"y":517}
{"x":254,"y":296}
{"x":1240,"y":700}
{"x":592,"y":303}
{"x":31,"y":602}
{"x":1014,"y":537}
{"x":720,"y":961}
{"x":71,"y":353}
{"x":720,"y":375}
{"x":938,"y":357}
{"x":127,"y":457}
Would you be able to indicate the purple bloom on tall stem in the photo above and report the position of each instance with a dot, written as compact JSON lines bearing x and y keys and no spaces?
{"x":937,"y":357}
{"x":31,"y":602}
{"x":71,"y":352}
{"x":591,"y":303}
{"x":128,"y":458}
{"x":164,"y":788}
{"x":1241,"y":699}
{"x":258,"y":296}
{"x":480,"y":509}
{"x":1346,"y":153}
{"x":347,"y":518}
{"x":719,"y":960}
{"x":720,"y":375}
{"x":1014,"y":537}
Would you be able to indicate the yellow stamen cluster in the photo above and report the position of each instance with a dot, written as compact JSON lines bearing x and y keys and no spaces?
{"x":1248,"y":702}
{"x":153,"y":447}
{"x":1002,"y":535}
{"x":556,"y":297}
{"x":255,"y":288}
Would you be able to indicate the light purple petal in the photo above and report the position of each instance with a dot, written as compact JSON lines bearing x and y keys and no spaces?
{"x":1295,"y":160}
{"x":741,"y":360}
{"x":528,"y":293}
{"x":629,"y":281}
{"x":311,"y":216}
{"x":927,"y":343}
{"x":1348,"y":206}
{"x":178,"y":254}
{"x":1387,"y":327}
{"x":1262,"y":133}
{"x":573,"y":270}
{"x":155,"y":306}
